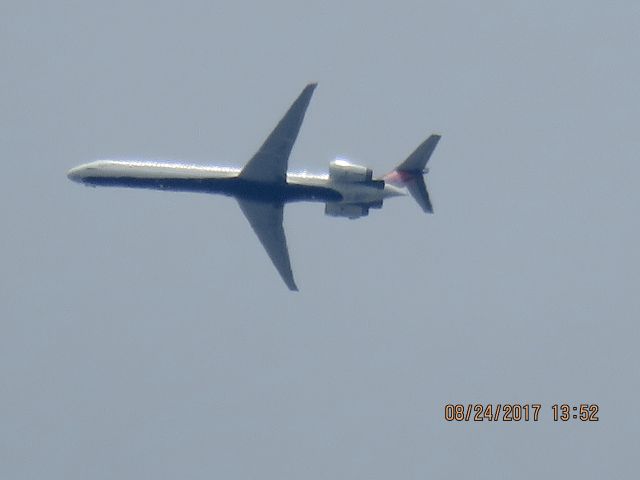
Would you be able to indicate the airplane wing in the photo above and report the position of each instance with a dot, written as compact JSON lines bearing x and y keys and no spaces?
{"x":269,"y":164}
{"x":266,"y":220}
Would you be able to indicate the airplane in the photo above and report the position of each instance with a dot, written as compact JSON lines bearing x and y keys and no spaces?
{"x":264,"y":185}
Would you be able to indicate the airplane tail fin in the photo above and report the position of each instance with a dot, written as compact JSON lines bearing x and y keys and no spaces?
{"x":410,"y":173}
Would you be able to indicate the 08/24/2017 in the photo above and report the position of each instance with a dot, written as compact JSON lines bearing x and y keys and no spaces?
{"x":518,"y":412}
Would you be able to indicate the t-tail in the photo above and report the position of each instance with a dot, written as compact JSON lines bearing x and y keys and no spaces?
{"x":410,"y":173}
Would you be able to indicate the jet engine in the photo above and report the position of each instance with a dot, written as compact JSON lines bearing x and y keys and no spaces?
{"x":342,"y":171}
{"x":349,"y":210}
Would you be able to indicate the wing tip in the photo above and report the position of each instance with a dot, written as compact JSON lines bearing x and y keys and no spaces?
{"x":311,"y":86}
{"x":289,"y":281}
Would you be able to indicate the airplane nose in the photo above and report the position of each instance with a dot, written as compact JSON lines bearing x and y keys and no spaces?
{"x":75,"y":174}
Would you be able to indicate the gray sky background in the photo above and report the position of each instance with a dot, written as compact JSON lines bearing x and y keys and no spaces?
{"x":146,"y":334}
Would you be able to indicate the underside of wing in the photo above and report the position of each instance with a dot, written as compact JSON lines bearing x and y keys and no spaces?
{"x":266,"y":220}
{"x":269,"y":164}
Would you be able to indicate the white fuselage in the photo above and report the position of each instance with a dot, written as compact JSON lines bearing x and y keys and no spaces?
{"x":215,"y":179}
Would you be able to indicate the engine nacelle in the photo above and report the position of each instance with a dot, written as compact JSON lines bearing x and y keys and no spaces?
{"x":342,"y":171}
{"x":349,"y":210}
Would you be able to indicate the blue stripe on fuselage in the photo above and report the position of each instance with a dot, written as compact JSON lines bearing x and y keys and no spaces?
{"x":235,"y":187}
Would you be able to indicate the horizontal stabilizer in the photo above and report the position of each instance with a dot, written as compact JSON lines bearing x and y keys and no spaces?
{"x":418,"y":191}
{"x":417,"y":161}
{"x":410,"y":173}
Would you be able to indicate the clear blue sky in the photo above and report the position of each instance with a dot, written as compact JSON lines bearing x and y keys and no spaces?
{"x":146,"y":334}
